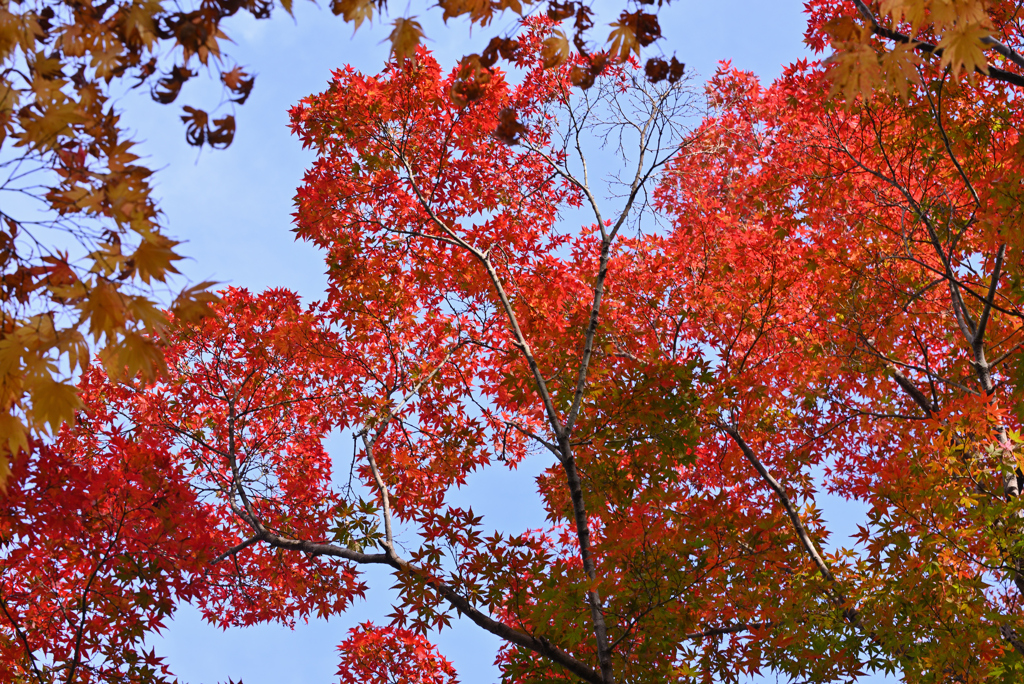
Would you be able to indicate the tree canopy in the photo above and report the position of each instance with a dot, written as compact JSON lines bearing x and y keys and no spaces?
{"x":86,"y":258}
{"x":780,"y":294}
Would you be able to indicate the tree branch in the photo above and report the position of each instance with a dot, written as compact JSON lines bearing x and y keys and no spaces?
{"x":236,"y":548}
{"x":731,"y":629}
{"x":23,"y":638}
{"x":835,"y":589}
{"x":910,"y":388}
{"x":485,"y":259}
{"x":979,"y":336}
{"x":538,"y":645}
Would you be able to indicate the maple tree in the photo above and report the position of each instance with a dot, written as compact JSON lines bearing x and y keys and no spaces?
{"x":793,"y":297}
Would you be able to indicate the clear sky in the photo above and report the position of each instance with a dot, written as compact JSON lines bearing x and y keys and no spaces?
{"x":233,"y":210}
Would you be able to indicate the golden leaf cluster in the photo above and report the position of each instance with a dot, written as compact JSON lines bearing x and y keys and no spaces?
{"x":883,"y":45}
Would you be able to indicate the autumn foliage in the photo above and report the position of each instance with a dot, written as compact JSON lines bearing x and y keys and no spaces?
{"x":788,"y":300}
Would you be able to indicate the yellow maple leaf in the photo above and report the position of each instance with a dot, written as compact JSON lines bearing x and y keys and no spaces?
{"x":139,"y":22}
{"x":856,"y":71}
{"x":962,"y":49}
{"x":148,"y":313}
{"x":73,"y":344}
{"x":108,"y":258}
{"x":53,"y":402}
{"x":405,"y":38}
{"x":11,"y":352}
{"x":72,"y":40}
{"x":135,"y":354}
{"x":104,"y":309}
{"x":899,"y":68}
{"x":949,"y":14}
{"x":35,"y":335}
{"x":479,"y":11}
{"x":41,"y":131}
{"x":106,"y":62}
{"x":194,"y":303}
{"x":154,"y":256}
{"x":13,"y":441}
{"x":911,"y":11}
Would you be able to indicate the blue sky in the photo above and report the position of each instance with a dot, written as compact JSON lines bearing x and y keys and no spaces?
{"x":232,"y":208}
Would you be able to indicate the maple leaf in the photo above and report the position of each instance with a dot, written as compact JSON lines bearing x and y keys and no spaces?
{"x":856,"y":71}
{"x":371,"y":654}
{"x":479,"y":11}
{"x":900,"y":68}
{"x":509,"y":128}
{"x":948,"y":15}
{"x":154,"y":258}
{"x":222,"y":133}
{"x":353,"y":11}
{"x":405,"y":38}
{"x":556,"y":50}
{"x":133,"y":355}
{"x":104,"y":309}
{"x":240,"y":83}
{"x":963,"y":50}
{"x":195,"y":303}
{"x":197,"y":122}
{"x":54,"y":402}
{"x":13,"y":441}
{"x":912,"y":11}
{"x":622,"y":41}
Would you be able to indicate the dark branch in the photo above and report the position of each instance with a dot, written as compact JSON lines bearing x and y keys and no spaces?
{"x":731,"y":629}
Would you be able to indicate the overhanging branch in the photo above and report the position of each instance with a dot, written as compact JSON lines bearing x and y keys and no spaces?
{"x":993,"y":72}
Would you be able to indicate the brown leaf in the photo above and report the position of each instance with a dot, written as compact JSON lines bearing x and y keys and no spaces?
{"x":509,"y":128}
{"x":153,"y":258}
{"x":353,"y":11}
{"x":470,"y":82}
{"x":167,"y":88}
{"x":558,"y":11}
{"x":657,"y":69}
{"x":222,"y":133}
{"x":581,"y":77}
{"x":196,"y":121}
{"x":238,"y":82}
{"x":194,"y":303}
